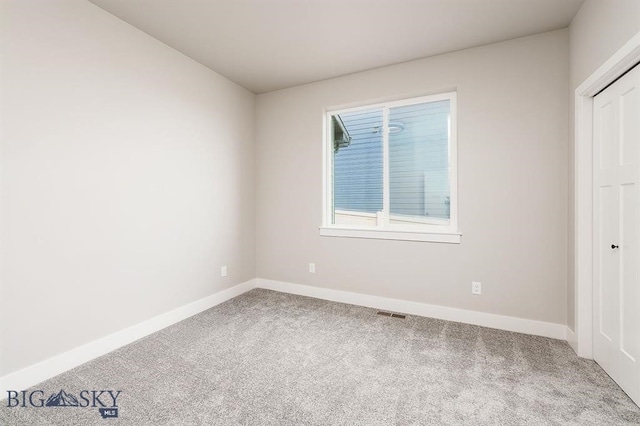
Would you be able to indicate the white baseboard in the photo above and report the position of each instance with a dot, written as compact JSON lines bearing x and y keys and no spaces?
{"x":572,"y":339}
{"x":58,"y":364}
{"x":520,"y":325}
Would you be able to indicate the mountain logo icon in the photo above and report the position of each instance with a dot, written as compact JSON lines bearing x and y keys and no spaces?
{"x":62,"y":399}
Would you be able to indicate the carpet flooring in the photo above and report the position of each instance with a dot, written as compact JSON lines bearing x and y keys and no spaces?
{"x":269,"y":358}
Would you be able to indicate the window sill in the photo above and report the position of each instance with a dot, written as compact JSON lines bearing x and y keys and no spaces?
{"x":385,"y":234}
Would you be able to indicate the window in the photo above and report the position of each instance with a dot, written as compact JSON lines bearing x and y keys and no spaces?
{"x":391,"y":170}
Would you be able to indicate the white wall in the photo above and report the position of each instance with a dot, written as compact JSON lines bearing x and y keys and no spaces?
{"x":127,"y":178}
{"x":513,"y":142}
{"x":599,"y":29}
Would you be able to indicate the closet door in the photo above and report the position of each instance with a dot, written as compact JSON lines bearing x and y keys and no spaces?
{"x":616,"y":219}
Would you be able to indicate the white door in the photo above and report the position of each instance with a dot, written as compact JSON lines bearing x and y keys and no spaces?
{"x":616,"y":224}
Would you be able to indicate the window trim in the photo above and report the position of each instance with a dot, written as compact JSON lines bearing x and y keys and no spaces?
{"x":434,"y":233}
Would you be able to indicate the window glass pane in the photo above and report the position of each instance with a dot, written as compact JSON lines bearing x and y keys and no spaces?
{"x":419,"y":164}
{"x":357,"y":168}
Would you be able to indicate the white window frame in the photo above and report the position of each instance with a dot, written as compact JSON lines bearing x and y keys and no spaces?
{"x":386,"y":230}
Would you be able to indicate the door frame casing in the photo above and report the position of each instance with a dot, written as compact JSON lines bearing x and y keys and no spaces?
{"x":623,"y":60}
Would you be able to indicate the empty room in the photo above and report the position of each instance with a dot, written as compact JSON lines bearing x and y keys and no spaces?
{"x":319,"y":212}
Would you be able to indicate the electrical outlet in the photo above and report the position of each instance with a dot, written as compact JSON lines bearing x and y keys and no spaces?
{"x":476,"y":287}
{"x":223,"y":271}
{"x":312,"y":268}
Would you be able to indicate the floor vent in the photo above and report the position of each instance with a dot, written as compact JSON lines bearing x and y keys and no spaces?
{"x":389,"y":314}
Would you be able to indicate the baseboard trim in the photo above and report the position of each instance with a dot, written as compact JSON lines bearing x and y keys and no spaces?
{"x":65,"y":361}
{"x":572,"y":340}
{"x":519,"y":325}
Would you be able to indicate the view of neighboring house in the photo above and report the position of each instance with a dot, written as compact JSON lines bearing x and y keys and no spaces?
{"x":418,"y":164}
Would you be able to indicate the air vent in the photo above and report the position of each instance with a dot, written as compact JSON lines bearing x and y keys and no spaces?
{"x":389,"y":314}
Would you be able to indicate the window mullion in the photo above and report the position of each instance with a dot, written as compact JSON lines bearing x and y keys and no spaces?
{"x":385,"y":168}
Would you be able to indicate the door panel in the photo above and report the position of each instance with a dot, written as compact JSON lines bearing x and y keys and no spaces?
{"x":629,"y":289}
{"x":629,"y":136}
{"x":607,"y":134}
{"x":608,"y":296}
